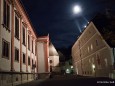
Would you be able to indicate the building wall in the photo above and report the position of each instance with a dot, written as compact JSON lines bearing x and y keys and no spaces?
{"x":6,"y":35}
{"x":91,"y":54}
{"x":55,"y":60}
{"x":16,"y":72}
{"x":41,"y":57}
{"x":43,"y":54}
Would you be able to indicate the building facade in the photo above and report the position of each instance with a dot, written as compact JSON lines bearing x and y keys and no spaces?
{"x":92,"y":54}
{"x":23,"y":55}
{"x":43,"y":54}
{"x":53,"y":59}
{"x":18,"y":58}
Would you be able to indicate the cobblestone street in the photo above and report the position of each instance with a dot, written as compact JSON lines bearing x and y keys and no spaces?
{"x":71,"y":81}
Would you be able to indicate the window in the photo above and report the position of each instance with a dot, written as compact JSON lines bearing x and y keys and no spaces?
{"x":32,"y":61}
{"x":35,"y":62}
{"x":88,"y":49}
{"x":28,"y":42}
{"x":91,"y":47}
{"x":32,"y":46}
{"x":6,"y":13}
{"x":28,"y":60}
{"x":24,"y":58}
{"x":16,"y":54}
{"x":35,"y":49}
{"x":50,"y":61}
{"x":24,"y":36}
{"x":16,"y":27}
{"x":96,"y":43}
{"x":5,"y":49}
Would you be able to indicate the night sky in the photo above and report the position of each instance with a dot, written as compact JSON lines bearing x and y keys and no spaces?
{"x":56,"y":18}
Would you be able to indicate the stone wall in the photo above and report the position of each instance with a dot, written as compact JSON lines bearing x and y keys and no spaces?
{"x":13,"y":78}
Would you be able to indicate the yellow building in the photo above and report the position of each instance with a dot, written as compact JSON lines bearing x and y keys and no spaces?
{"x":93,"y":53}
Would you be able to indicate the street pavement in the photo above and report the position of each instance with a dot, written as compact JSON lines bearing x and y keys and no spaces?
{"x":72,"y":81}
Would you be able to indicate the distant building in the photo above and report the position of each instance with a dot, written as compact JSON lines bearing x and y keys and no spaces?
{"x":43,"y":54}
{"x":93,"y":53}
{"x":53,"y":58}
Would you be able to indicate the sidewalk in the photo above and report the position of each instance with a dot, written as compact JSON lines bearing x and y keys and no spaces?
{"x":32,"y":83}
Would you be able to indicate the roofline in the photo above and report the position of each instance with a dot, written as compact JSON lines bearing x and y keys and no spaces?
{"x":23,"y":8}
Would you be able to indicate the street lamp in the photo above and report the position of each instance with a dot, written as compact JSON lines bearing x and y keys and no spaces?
{"x":76,"y":9}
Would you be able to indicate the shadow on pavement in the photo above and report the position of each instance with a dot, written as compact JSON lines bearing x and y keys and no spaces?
{"x":71,"y":80}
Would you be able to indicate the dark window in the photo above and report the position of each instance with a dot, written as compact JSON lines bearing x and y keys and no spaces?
{"x":35,"y":62}
{"x":50,"y":61}
{"x":28,"y":60}
{"x":5,"y":49}
{"x":83,"y":72}
{"x":16,"y":54}
{"x":32,"y":46}
{"x":6,"y":13}
{"x":24,"y":58}
{"x":32,"y":62}
{"x":24,"y":36}
{"x":96,"y":43}
{"x":16,"y":27}
{"x":28,"y":42}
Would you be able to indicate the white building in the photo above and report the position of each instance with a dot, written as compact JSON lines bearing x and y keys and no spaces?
{"x":19,"y":57}
{"x":53,"y":58}
{"x":43,"y":54}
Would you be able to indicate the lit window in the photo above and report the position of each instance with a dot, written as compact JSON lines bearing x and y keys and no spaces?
{"x":91,"y":47}
{"x":88,"y":48}
{"x":106,"y":63}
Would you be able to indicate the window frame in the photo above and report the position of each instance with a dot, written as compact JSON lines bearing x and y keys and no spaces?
{"x":17,"y":35}
{"x":8,"y":43}
{"x":29,"y":61}
{"x":16,"y":58}
{"x":24,"y":61}
{"x":23,"y":35}
{"x":29,"y":42}
{"x":96,"y":42}
{"x":6,"y":15}
{"x":32,"y":46}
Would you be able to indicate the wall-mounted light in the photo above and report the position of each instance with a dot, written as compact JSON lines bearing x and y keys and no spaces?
{"x":93,"y":66}
{"x":71,"y":66}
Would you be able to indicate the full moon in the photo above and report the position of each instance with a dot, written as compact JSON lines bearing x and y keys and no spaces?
{"x":76,"y":9}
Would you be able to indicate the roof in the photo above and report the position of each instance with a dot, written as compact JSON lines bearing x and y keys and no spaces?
{"x":23,"y":8}
{"x":105,"y":23}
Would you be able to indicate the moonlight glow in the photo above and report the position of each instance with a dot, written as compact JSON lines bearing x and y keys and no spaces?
{"x":76,"y":9}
